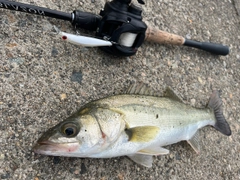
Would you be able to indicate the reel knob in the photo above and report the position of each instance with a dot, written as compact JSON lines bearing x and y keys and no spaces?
{"x":134,"y":9}
{"x":141,"y":2}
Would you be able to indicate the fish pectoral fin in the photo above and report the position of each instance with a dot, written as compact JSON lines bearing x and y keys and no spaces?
{"x":144,"y":160}
{"x":194,"y":142}
{"x":154,"y":151}
{"x":142,"y":133}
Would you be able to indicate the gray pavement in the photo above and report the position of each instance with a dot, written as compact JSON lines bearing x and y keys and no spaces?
{"x":43,"y":80}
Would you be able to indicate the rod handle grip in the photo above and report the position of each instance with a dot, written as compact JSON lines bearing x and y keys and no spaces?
{"x":218,"y":49}
{"x":162,"y":37}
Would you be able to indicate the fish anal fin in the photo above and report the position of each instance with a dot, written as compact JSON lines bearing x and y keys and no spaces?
{"x":144,"y":160}
{"x":195,"y":143}
{"x":154,"y":151}
{"x":142,"y":133}
{"x":172,"y":95}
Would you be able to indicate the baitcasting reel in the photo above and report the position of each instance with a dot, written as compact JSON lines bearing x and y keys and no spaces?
{"x":119,"y":28}
{"x":120,"y":23}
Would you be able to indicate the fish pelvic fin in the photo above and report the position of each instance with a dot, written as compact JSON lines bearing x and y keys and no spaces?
{"x":155,"y":151}
{"x":221,"y":124}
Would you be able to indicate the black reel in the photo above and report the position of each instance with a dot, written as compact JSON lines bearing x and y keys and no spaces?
{"x":121,"y":24}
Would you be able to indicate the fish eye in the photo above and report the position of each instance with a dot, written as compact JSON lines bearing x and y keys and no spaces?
{"x":69,"y":129}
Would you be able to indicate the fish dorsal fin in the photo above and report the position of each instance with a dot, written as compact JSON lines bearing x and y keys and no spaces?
{"x":141,"y":89}
{"x":142,"y":133}
{"x":144,"y":160}
{"x":154,"y":151}
{"x":195,"y":143}
{"x":171,"y":94}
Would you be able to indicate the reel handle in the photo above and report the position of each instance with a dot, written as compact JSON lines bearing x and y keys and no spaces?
{"x":158,"y":36}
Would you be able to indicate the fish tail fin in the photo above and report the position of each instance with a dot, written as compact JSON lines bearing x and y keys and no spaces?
{"x":221,"y":124}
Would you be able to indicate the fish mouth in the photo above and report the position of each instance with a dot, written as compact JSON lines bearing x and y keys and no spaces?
{"x":46,"y":143}
{"x":55,"y":149}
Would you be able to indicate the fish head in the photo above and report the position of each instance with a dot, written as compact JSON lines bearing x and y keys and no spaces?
{"x":74,"y":137}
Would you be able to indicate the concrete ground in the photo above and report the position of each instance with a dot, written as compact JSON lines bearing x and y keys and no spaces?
{"x":43,"y":80}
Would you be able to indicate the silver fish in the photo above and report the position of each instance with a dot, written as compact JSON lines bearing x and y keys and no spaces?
{"x":138,"y":125}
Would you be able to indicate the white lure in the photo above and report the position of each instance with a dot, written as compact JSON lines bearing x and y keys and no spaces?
{"x":81,"y":40}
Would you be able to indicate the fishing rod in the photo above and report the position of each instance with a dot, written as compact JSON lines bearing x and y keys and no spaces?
{"x":119,"y":28}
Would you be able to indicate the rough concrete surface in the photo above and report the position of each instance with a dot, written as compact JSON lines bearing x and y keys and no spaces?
{"x":43,"y":80}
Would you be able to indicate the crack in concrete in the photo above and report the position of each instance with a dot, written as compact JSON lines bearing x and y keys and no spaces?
{"x":236,"y":5}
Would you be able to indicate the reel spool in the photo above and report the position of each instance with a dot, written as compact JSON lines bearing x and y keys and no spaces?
{"x":127,"y":39}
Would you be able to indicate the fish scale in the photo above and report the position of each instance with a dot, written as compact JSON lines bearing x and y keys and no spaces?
{"x":168,"y":112}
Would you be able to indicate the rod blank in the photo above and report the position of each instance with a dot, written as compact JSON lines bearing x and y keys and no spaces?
{"x":27,"y":8}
